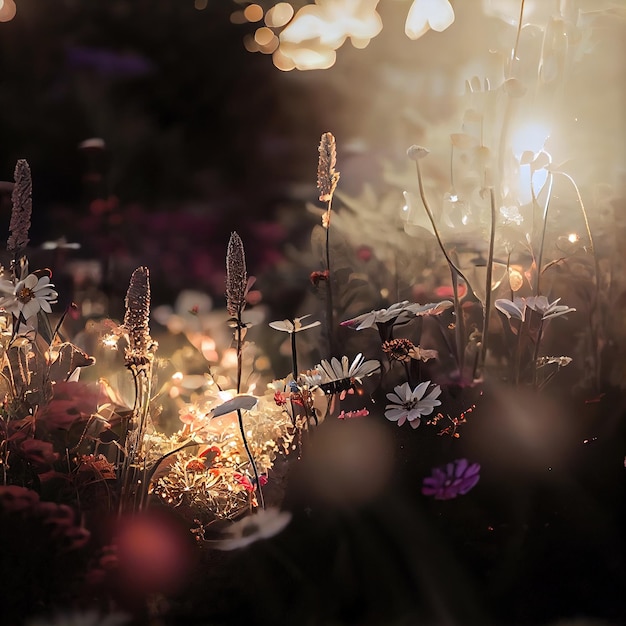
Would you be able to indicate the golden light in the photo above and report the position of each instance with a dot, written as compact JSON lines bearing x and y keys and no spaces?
{"x":321,"y":28}
{"x":529,"y":137}
{"x":573,"y":238}
{"x":426,"y":14}
{"x":200,"y":5}
{"x":279,"y":15}
{"x":269,"y":47}
{"x":230,"y":358}
{"x":263,"y":36}
{"x":283,"y":62}
{"x":253,"y":13}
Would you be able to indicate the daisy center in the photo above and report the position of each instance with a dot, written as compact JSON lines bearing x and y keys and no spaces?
{"x":25,"y":295}
{"x":410,"y":404}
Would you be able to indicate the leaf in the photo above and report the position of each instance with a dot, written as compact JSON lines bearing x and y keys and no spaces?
{"x":68,"y":360}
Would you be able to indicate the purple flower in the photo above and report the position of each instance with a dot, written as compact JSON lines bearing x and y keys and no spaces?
{"x":451,"y":480}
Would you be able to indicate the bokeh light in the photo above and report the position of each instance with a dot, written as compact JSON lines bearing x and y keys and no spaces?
{"x":279,"y":15}
{"x":253,"y":13}
{"x":7,"y":10}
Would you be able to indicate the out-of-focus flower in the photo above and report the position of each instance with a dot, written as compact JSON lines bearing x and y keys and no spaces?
{"x":396,"y":312}
{"x":548,"y":309}
{"x":28,"y":296}
{"x":403,"y":350}
{"x":260,"y":525}
{"x":516,"y":308}
{"x":410,"y":404}
{"x":56,"y":520}
{"x":40,"y":453}
{"x":72,"y":401}
{"x":336,"y":376}
{"x":287,"y":326}
{"x":248,"y":484}
{"x":331,"y":22}
{"x":426,"y":14}
{"x":451,"y":480}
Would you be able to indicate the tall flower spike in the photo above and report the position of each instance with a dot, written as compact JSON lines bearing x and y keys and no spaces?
{"x":136,"y":319}
{"x":22,"y":209}
{"x":236,"y":276}
{"x":327,"y":177}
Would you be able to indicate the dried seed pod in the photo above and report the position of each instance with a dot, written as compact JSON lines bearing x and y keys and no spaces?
{"x":236,"y":276}
{"x":136,"y":320}
{"x":327,"y":177}
{"x":22,"y":209}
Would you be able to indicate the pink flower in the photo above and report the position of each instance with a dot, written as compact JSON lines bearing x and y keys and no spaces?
{"x":451,"y":480}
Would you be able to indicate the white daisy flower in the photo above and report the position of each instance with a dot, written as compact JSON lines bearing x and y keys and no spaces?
{"x":28,"y":296}
{"x":548,"y":309}
{"x":369,"y":320}
{"x":263,"y":524}
{"x":410,"y":404}
{"x":287,"y":326}
{"x":336,"y":376}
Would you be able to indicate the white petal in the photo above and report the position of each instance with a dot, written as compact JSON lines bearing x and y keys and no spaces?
{"x":285,"y":326}
{"x":30,"y":281}
{"x":31,"y":308}
{"x":420,"y":390}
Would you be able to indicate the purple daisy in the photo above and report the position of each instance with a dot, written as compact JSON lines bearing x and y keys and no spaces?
{"x":451,"y":480}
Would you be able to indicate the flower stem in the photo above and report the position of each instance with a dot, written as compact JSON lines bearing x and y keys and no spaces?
{"x":488,"y":280}
{"x":239,"y":340}
{"x":456,"y":273}
{"x":543,"y":235}
{"x":329,"y":289}
{"x":294,"y":356}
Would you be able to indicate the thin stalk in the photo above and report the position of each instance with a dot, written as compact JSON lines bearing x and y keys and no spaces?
{"x":434,"y":226}
{"x":456,"y":272}
{"x":596,"y":268}
{"x":488,"y":280}
{"x":239,"y":414}
{"x":536,"y":352}
{"x":294,"y":356}
{"x":329,"y":289}
{"x":517,"y":38}
{"x":459,"y":326}
{"x":543,"y":234}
